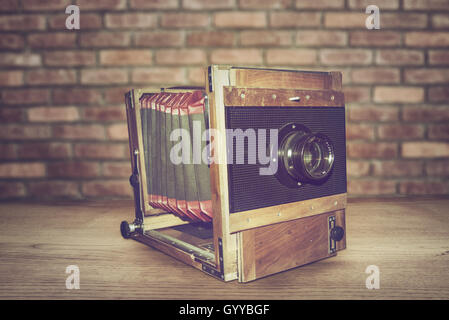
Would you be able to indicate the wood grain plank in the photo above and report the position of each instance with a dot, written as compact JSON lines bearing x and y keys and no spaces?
{"x":407,"y":238}
{"x":257,"y":97}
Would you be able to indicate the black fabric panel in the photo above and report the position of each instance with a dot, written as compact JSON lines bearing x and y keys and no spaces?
{"x":249,"y":190}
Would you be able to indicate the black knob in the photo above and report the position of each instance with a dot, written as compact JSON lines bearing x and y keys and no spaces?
{"x":125,"y":230}
{"x":134,"y":180}
{"x":337,"y":233}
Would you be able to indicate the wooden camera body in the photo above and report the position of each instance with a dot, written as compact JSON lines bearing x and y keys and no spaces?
{"x":250,"y":225}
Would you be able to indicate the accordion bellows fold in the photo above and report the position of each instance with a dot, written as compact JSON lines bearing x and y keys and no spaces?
{"x":179,"y":187}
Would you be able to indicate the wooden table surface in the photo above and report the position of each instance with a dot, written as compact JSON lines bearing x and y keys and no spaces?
{"x":408,"y":239}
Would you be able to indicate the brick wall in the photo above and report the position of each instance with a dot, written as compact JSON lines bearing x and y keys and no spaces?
{"x":62,"y":122}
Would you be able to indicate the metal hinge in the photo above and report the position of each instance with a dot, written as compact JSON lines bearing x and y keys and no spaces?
{"x":332,"y":243}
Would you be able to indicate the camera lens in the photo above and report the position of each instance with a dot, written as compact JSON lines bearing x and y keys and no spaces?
{"x":304,"y":157}
{"x":314,"y":157}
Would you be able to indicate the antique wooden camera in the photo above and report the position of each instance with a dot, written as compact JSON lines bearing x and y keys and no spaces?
{"x":243,"y":178}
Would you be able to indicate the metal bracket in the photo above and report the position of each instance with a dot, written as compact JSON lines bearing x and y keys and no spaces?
{"x":211,"y":270}
{"x":134,"y":180}
{"x":209,"y":76}
{"x":332,"y":243}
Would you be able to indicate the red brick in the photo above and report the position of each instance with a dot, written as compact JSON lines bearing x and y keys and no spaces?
{"x":116,"y":169}
{"x":22,"y":22}
{"x":319,"y":38}
{"x":399,"y":94}
{"x":426,"y":5}
{"x":196,"y":76}
{"x":184,"y":20}
{"x":376,"y":75}
{"x":52,"y":76}
{"x":126,"y":57}
{"x":439,"y":131}
{"x":22,"y":170}
{"x":440,"y":21}
{"x":240,"y":19}
{"x":400,"y":131}
{"x":345,"y":56}
{"x":11,"y":78}
{"x":375,"y":38}
{"x":107,"y":151}
{"x":357,"y":94}
{"x":181,"y":57}
{"x":105,"y":39}
{"x":424,"y":187}
{"x":291,"y":57}
{"x":320,"y":4}
{"x":88,"y":21}
{"x":359,"y":131}
{"x":24,"y":132}
{"x":7,"y":151}
{"x":427,"y":39}
{"x":72,"y":169}
{"x":20,"y":59}
{"x":356,"y":168}
{"x":265,"y":38}
{"x":69,"y":58}
{"x":52,"y":40}
{"x":438,"y":57}
{"x":118,"y":131}
{"x":398,"y":168}
{"x":425,"y":149}
{"x":9,"y":115}
{"x":346,"y":20}
{"x":382,"y":4}
{"x":130,"y":20}
{"x":76,"y":96}
{"x":425,"y":75}
{"x":295,"y":19}
{"x":372,"y":150}
{"x":210,"y":39}
{"x":159,"y":39}
{"x":236,"y":56}
{"x":116,"y":95}
{"x":107,"y":188}
{"x":25,"y":96}
{"x":371,"y":187}
{"x":52,"y":189}
{"x":46,"y":5}
{"x":438,"y":168}
{"x":400,"y":57}
{"x":9,"y":6}
{"x":101,"y":4}
{"x":158,"y":76}
{"x":53,"y":114}
{"x":426,"y":113}
{"x":104,"y":76}
{"x":438,"y":94}
{"x":154,"y":4}
{"x":10,"y":41}
{"x":10,"y":190}
{"x":104,"y":114}
{"x":207,"y":4}
{"x":400,"y":20}
{"x":265,"y":4}
{"x":79,"y":132}
{"x":373,"y":113}
{"x":47,"y":150}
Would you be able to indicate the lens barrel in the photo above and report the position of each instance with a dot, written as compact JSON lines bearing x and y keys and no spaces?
{"x":304,"y":157}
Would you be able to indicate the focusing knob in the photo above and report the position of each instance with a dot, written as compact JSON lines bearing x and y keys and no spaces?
{"x":125,"y":230}
{"x":337,"y":233}
{"x":134,"y":180}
